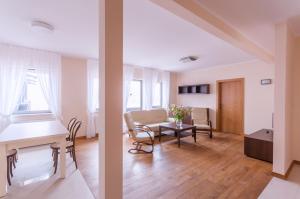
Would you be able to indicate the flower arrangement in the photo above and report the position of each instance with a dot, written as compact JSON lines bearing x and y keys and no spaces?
{"x":178,"y":112}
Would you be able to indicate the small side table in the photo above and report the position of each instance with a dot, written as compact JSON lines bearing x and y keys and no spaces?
{"x":180,"y":131}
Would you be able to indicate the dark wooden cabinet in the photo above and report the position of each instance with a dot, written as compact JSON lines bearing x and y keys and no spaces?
{"x":259,"y":145}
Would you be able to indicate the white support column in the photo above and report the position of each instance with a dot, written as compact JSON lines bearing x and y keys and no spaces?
{"x":111,"y":81}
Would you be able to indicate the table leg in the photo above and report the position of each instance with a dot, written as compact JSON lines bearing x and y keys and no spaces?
{"x":194,"y":134}
{"x":178,"y":138}
{"x":63,"y":157}
{"x":3,"y":171}
{"x":159,"y":133}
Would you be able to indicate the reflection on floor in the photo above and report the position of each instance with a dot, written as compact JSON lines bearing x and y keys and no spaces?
{"x":284,"y":189}
{"x":34,"y":179}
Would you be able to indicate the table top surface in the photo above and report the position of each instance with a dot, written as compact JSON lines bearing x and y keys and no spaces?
{"x":263,"y":134}
{"x":32,"y":130}
{"x":175,"y":127}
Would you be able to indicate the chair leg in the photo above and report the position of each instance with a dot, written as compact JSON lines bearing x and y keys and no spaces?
{"x":13,"y":162}
{"x":138,"y":148}
{"x":8,"y":172}
{"x":74,"y":157}
{"x":11,"y":166}
{"x":71,"y":154}
{"x":55,"y":161}
{"x":210,"y":134}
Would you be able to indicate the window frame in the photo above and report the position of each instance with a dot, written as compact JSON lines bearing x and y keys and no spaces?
{"x":141,"y":96}
{"x":161,"y":97}
{"x":34,"y":112}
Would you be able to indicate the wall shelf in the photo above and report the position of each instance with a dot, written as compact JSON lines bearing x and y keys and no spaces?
{"x":194,"y":89}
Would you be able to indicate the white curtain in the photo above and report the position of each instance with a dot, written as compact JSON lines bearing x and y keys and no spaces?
{"x":128,"y":74}
{"x":14,"y":64}
{"x":147,"y":88}
{"x":48,"y":70}
{"x":166,"y":89}
{"x":92,"y":96}
{"x":12,"y":75}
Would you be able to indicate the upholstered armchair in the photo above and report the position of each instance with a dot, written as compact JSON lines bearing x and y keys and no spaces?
{"x":141,"y":135}
{"x":200,"y":119}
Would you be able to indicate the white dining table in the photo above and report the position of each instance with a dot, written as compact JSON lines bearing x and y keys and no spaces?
{"x":20,"y":135}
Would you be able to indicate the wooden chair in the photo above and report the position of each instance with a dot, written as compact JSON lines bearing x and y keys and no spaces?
{"x":141,"y":135}
{"x":70,"y":126}
{"x":200,"y":119}
{"x":11,"y":159}
{"x":70,"y":147}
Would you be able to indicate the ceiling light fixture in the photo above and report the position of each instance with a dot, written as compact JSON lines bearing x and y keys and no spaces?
{"x":188,"y":59}
{"x":42,"y":26}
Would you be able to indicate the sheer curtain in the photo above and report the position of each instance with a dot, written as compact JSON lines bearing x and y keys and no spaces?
{"x":127,"y":78}
{"x":92,"y":96}
{"x":147,"y":88}
{"x":166,"y":89}
{"x":48,"y":69}
{"x":128,"y":74}
{"x":12,"y":75}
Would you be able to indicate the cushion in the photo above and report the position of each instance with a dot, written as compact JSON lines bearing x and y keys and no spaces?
{"x":199,"y":115}
{"x":143,"y":136}
{"x":202,"y":126}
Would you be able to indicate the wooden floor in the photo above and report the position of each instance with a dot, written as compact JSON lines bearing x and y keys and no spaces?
{"x":214,"y":168}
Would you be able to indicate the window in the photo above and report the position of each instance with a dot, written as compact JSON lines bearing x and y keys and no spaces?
{"x":135,"y":95}
{"x":96,"y":92}
{"x":157,"y":95}
{"x":32,"y":99}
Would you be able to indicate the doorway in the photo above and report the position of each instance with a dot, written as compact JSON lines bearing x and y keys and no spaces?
{"x":230,"y":106}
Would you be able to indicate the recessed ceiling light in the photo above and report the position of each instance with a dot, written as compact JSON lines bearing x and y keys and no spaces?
{"x":188,"y":59}
{"x":41,"y":26}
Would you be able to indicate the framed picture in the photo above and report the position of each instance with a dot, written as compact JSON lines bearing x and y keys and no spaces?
{"x":266,"y":81}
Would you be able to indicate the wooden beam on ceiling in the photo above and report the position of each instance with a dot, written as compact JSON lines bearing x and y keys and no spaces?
{"x":192,"y":11}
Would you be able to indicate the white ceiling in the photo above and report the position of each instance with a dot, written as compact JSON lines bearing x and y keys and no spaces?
{"x":75,"y":22}
{"x":256,"y":19}
{"x":153,"y":37}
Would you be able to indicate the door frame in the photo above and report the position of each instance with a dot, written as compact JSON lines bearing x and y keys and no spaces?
{"x":218,"y":99}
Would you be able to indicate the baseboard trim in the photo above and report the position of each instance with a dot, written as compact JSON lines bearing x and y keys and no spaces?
{"x":286,"y":175}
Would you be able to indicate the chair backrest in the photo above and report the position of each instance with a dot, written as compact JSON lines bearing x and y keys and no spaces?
{"x":74,"y":131}
{"x":138,"y":128}
{"x":71,"y":123}
{"x":200,"y":115}
{"x":128,"y":121}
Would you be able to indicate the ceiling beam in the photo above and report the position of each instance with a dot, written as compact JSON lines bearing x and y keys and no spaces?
{"x":192,"y":11}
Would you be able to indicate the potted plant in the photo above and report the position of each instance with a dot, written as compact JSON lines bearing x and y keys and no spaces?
{"x":178,"y":113}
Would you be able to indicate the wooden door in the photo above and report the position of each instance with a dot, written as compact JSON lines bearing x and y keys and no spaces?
{"x":231,"y":106}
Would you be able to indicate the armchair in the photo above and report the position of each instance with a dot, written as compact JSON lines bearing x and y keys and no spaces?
{"x":141,"y":135}
{"x":200,"y":119}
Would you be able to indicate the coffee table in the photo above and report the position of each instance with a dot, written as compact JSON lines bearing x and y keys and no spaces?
{"x":180,"y":131}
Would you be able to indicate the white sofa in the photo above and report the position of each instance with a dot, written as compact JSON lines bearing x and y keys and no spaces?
{"x":151,"y":118}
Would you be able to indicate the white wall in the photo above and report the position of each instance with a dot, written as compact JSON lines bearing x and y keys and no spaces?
{"x":74,"y":91}
{"x":259,"y":99}
{"x":295,"y":102}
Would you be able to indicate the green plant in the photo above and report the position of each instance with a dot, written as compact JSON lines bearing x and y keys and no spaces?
{"x":179,"y":112}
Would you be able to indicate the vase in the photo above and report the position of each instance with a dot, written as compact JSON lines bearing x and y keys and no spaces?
{"x":178,"y":123}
